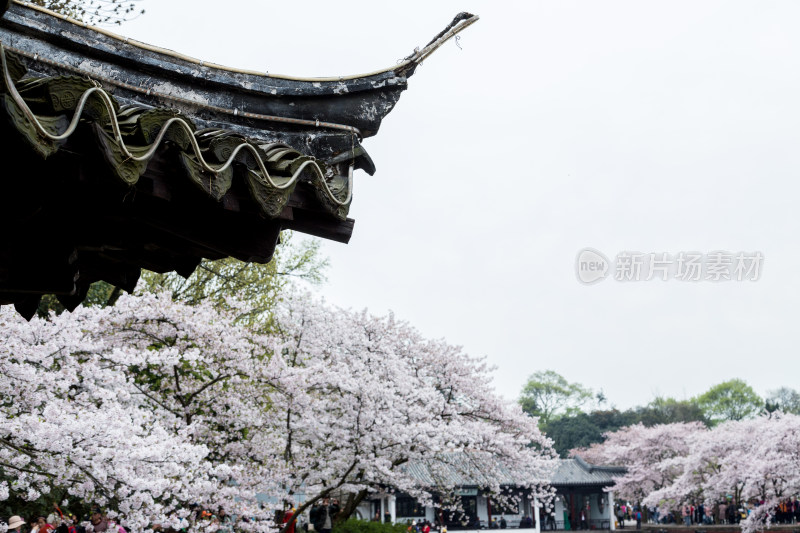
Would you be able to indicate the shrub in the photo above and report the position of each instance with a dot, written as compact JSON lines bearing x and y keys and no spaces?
{"x":355,"y":525}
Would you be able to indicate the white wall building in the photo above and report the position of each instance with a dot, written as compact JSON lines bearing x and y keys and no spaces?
{"x":582,"y":501}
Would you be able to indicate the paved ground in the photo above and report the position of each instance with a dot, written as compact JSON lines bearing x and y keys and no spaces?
{"x":630,"y":525}
{"x":722,"y":528}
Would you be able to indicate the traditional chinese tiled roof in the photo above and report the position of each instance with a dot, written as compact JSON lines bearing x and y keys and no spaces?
{"x":577,"y":472}
{"x":46,"y":112}
{"x":121,"y":156}
{"x":465,"y":470}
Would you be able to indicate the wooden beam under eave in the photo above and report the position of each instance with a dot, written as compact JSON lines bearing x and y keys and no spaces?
{"x":323,"y":226}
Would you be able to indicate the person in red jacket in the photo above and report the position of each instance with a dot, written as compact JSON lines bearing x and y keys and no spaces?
{"x":44,"y":527}
{"x":288,"y":517}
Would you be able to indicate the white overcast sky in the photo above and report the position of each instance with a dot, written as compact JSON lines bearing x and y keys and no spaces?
{"x":656,"y":127}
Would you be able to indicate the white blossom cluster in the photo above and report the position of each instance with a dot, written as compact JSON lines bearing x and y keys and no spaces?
{"x":668,"y":465}
{"x":151,"y":405}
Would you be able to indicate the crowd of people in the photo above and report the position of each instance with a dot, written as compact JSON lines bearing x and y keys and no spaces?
{"x":526,"y":522}
{"x":423,"y":526}
{"x":96,"y":521}
{"x":496,"y":522}
{"x":702,"y":514}
{"x":788,"y":512}
{"x":64,"y":522}
{"x":321,"y":518}
{"x":625,"y":512}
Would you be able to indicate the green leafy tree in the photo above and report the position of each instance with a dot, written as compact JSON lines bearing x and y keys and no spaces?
{"x":94,"y":11}
{"x":100,"y":293}
{"x":669,"y":410}
{"x":217,"y":281}
{"x":730,"y":400}
{"x":547,"y":394}
{"x":583,"y":429}
{"x":580,"y":430}
{"x":259,"y":285}
{"x":784,"y":399}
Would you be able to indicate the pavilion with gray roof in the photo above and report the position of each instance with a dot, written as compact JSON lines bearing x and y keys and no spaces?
{"x":581,"y":488}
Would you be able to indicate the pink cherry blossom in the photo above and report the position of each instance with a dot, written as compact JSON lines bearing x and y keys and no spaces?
{"x":151,"y":405}
{"x":754,"y":461}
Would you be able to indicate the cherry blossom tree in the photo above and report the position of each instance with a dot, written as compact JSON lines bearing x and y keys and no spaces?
{"x":700,"y":468}
{"x":652,"y":456}
{"x":152,"y":404}
{"x":364,"y":395}
{"x":751,"y":460}
{"x":68,"y":418}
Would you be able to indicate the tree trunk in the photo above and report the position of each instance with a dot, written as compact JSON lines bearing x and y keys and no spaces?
{"x":350,"y":506}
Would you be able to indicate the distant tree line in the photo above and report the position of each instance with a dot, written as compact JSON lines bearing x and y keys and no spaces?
{"x":574,"y":416}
